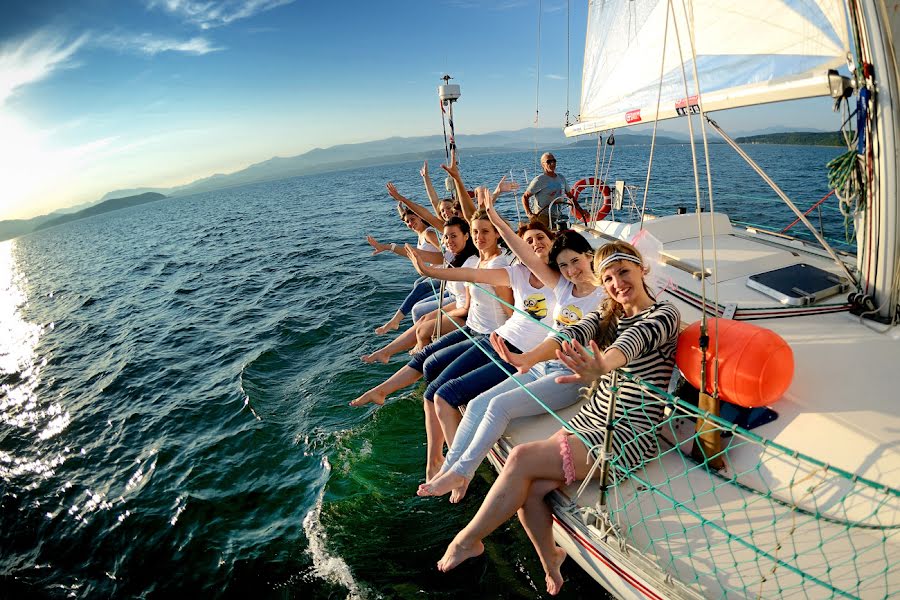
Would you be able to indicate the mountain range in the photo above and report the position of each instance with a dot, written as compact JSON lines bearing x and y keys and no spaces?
{"x":335,"y":158}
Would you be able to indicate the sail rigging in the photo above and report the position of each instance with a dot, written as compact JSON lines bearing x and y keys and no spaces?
{"x":746,"y":53}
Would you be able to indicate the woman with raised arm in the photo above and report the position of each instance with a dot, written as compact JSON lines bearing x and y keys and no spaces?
{"x":484,"y":315}
{"x":462,"y":194}
{"x":487,"y":415}
{"x":444,"y":208}
{"x":422,"y":288}
{"x":480,"y":367}
{"x":646,"y":334}
{"x":459,"y":248}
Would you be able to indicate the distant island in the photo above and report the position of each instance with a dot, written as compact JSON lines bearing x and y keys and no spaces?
{"x":13,"y":228}
{"x":795,"y":138}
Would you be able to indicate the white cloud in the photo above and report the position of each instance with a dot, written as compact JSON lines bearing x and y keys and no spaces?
{"x":555,"y":77}
{"x":147,"y":43}
{"x":34,"y":58}
{"x":206,"y":14}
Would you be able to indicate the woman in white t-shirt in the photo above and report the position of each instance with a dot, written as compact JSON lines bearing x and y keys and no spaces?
{"x":427,"y":239}
{"x":570,"y":274}
{"x":484,"y":314}
{"x":452,"y":312}
{"x":480,"y":367}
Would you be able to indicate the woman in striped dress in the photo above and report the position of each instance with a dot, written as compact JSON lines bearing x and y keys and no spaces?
{"x":644,"y":346}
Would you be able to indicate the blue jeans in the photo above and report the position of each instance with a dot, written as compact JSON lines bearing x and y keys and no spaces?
{"x":444,"y":342}
{"x":468,"y":375}
{"x":422,"y":290}
{"x":423,"y":307}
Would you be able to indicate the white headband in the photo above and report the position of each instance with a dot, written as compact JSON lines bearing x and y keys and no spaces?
{"x":618,"y":256}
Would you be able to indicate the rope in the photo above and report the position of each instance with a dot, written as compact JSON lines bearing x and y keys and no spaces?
{"x":703,"y":320}
{"x":537,"y":82}
{"x":784,"y":197}
{"x":712,"y":209}
{"x":656,"y":115}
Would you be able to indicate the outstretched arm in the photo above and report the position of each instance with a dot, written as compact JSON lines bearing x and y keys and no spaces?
{"x":424,"y":256}
{"x":494,"y":277}
{"x":429,"y":189}
{"x":546,"y":350}
{"x":504,"y":186}
{"x":465,"y":203}
{"x":588,"y":364}
{"x":416,"y":208}
{"x":378,"y":247}
{"x":519,"y":247}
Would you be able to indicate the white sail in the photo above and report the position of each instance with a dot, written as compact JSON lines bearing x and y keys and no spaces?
{"x":747,"y":53}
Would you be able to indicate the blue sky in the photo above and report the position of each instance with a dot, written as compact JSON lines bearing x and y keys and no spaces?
{"x":97,"y":95}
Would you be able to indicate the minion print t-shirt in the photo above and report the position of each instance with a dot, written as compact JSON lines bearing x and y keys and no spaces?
{"x":569,"y":308}
{"x":525,"y":331}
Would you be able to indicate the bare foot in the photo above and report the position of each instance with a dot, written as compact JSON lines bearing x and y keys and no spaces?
{"x":457,"y":552}
{"x":459,"y":493}
{"x":444,"y":484}
{"x":378,"y":355}
{"x":554,"y":578}
{"x":389,"y":326}
{"x":368,"y":397}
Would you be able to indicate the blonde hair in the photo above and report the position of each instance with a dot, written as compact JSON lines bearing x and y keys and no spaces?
{"x":611,"y":310}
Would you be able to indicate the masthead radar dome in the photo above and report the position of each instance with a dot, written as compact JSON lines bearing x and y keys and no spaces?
{"x":449,"y":92}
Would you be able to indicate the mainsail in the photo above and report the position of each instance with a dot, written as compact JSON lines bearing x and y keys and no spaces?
{"x":747,"y":53}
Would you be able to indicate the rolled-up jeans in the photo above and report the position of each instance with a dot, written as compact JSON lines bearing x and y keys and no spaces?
{"x":489,"y":413}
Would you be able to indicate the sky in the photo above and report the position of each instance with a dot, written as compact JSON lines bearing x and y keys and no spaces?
{"x":98,"y":95}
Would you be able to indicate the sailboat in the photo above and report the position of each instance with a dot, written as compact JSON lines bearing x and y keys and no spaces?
{"x":743,"y":500}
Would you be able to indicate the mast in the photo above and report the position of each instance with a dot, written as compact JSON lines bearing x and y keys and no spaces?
{"x":878,"y":258}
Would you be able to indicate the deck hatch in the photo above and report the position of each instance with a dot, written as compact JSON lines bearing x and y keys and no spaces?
{"x":798,"y":285}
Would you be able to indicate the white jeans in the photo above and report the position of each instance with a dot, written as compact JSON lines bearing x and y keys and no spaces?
{"x":488,"y":414}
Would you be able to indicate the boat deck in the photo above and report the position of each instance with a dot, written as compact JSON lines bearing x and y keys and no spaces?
{"x":787,"y":514}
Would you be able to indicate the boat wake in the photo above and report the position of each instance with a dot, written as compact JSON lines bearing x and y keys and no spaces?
{"x":332,"y":569}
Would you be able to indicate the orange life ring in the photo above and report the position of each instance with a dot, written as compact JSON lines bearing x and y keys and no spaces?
{"x":590,"y":183}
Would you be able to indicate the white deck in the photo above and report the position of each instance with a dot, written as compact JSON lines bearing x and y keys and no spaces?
{"x":843,"y":409}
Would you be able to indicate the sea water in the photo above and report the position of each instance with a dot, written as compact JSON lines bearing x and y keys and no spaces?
{"x":174,"y":381}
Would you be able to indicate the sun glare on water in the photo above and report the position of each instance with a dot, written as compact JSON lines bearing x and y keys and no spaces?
{"x":20,"y":407}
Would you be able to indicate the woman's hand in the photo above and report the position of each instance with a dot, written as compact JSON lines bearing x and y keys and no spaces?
{"x":424,"y":170}
{"x":504,"y":186}
{"x":586,"y":366}
{"x":484,"y":198}
{"x":392,"y":190}
{"x":377,"y":248}
{"x":417,"y":262}
{"x":453,"y":168}
{"x":519,"y":361}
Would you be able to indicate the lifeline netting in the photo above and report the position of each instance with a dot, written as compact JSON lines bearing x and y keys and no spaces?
{"x":773,"y":523}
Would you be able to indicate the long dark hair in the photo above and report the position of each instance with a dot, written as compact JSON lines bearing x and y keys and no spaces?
{"x":469,"y":249}
{"x":569,"y":240}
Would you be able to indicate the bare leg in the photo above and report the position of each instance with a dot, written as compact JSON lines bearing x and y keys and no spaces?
{"x":434,"y":441}
{"x":425,"y":329}
{"x":399,"y":380}
{"x":449,"y":417}
{"x":537,"y":520}
{"x":391,"y":325}
{"x":527,"y":464}
{"x":405,"y":340}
